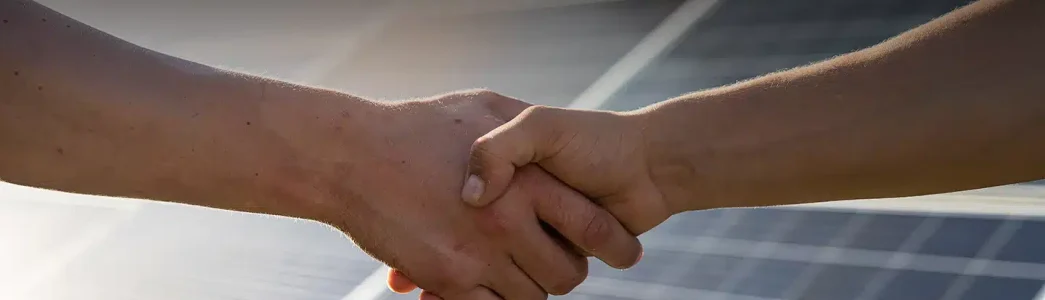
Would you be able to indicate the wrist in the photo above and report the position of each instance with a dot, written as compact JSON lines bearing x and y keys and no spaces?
{"x":672,"y":167}
{"x":313,"y":142}
{"x":274,"y":148}
{"x":684,"y":155}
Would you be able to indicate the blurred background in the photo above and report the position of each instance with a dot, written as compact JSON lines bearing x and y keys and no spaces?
{"x":605,"y":54}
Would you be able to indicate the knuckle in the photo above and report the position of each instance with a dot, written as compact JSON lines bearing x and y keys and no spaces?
{"x":484,"y":159}
{"x":597,"y":232}
{"x":489,"y":149}
{"x":451,"y":277}
{"x":492,"y":222}
{"x":561,"y":215}
{"x":546,"y":127}
{"x":537,"y":113}
{"x":483,"y":146}
{"x":568,"y":282}
{"x":480,"y":149}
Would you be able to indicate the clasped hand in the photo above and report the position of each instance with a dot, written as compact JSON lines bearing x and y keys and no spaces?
{"x":563,"y":191}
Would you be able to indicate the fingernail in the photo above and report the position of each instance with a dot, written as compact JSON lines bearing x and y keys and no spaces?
{"x":473,"y":189}
{"x":637,"y":260}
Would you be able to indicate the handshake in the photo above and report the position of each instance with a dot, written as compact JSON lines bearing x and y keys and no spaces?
{"x":475,"y":195}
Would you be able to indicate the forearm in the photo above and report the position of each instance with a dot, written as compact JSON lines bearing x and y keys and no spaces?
{"x":956,"y":104}
{"x":85,"y":112}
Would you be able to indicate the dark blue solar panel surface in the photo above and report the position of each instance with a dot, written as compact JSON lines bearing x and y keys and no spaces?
{"x":1028,"y":244}
{"x":756,"y":254}
{"x":959,"y":237}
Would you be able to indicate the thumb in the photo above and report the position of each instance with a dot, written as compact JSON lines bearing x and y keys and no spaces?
{"x":495,"y":156}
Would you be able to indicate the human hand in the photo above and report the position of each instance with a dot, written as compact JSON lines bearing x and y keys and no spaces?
{"x":399,"y":200}
{"x":531,"y":190}
{"x":604,"y":155}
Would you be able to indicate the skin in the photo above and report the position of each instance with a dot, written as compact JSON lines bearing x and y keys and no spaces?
{"x":955,"y":104}
{"x":82,"y":111}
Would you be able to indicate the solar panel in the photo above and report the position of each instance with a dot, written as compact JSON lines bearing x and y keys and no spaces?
{"x":804,"y":253}
{"x":830,"y":254}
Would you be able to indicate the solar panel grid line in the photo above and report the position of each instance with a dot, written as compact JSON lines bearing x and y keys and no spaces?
{"x":728,"y":246}
{"x":998,"y":239}
{"x":762,"y":248}
{"x":826,"y":207}
{"x":932,"y":263}
{"x":1014,"y":270}
{"x":809,"y":274}
{"x":617,"y":288}
{"x":901,"y":258}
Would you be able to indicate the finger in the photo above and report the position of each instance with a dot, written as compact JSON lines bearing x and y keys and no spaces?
{"x":636,"y":215}
{"x":555,"y":235}
{"x":512,"y":284}
{"x":581,"y":221}
{"x":495,"y":155}
{"x":399,"y":283}
{"x":552,"y":265}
